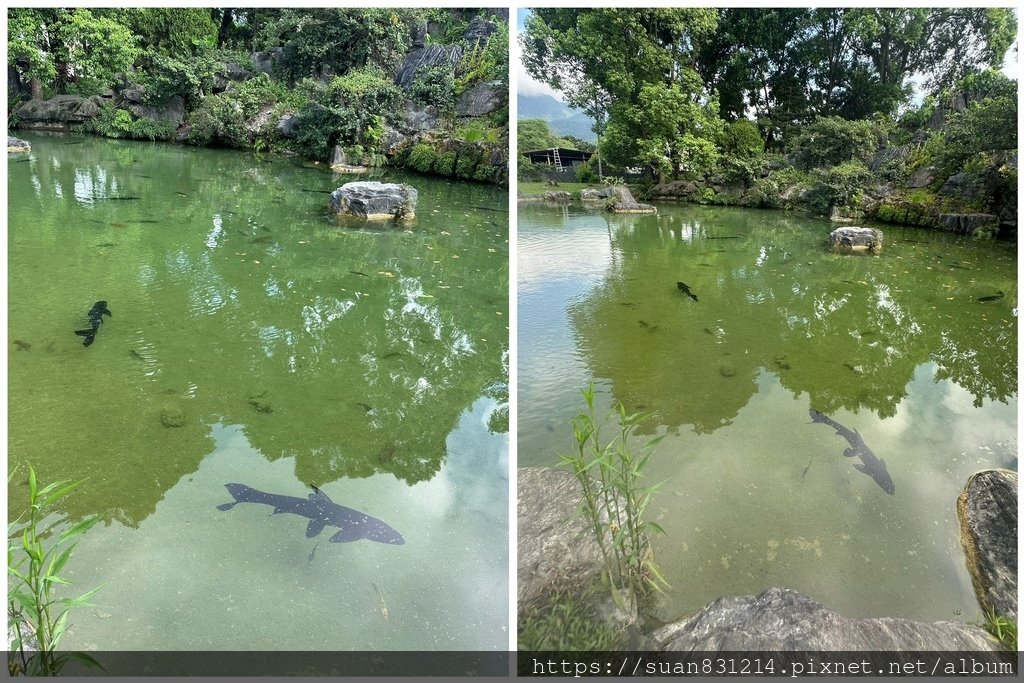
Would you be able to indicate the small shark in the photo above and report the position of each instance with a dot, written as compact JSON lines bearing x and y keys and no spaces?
{"x":685,"y":289}
{"x":872,"y":466}
{"x":321,"y":512}
{"x":96,"y":313}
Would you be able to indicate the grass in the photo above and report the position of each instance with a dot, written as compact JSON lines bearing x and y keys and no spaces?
{"x":1002,"y":629}
{"x":567,"y":623}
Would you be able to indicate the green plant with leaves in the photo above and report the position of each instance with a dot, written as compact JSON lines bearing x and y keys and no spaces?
{"x":36,"y":553}
{"x":1002,"y":629}
{"x":614,"y":499}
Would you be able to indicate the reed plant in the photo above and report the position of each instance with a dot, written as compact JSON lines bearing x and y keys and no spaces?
{"x":615,"y":500}
{"x":37,"y":551}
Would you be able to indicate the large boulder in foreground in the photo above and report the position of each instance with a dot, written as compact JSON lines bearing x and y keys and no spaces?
{"x":17,"y":144}
{"x":856,"y":240}
{"x":556,"y":546}
{"x":375,"y":201}
{"x":782,"y":619}
{"x":987,"y":509}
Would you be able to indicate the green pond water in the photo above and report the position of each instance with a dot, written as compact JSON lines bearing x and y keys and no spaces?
{"x":756,"y":495}
{"x":255,"y":339}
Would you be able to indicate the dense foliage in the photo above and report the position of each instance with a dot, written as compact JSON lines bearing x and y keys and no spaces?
{"x":793,"y":106}
{"x":234,"y":76}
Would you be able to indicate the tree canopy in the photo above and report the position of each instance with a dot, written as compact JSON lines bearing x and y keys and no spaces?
{"x":667,"y":77}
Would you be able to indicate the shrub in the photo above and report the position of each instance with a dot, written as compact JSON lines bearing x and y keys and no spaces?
{"x":112,"y":122}
{"x":586,"y":173}
{"x":435,"y":86}
{"x":831,"y":140}
{"x":842,"y":185}
{"x":422,"y":158}
{"x":741,"y":139}
{"x":445,"y":164}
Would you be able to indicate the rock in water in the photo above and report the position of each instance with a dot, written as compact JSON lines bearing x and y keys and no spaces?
{"x":17,"y":145}
{"x":622,"y":201}
{"x":987,"y":509}
{"x":375,"y":201}
{"x":857,"y":240}
{"x":782,"y":619}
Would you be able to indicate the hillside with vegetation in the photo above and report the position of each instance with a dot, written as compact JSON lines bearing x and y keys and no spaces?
{"x":899,"y":115}
{"x":422,"y":89}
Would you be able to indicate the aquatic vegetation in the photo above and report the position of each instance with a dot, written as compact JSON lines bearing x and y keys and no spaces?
{"x":39,"y":618}
{"x":614,"y":500}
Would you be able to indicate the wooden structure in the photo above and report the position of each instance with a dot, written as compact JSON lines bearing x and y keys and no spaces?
{"x":560,"y":158}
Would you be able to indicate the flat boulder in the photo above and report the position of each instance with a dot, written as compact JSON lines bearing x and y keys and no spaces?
{"x":58,"y":109}
{"x":17,"y":145}
{"x":987,"y":509}
{"x":373,"y":200}
{"x":856,"y":240}
{"x":782,"y":619}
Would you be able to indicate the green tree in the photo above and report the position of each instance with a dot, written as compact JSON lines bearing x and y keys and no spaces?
{"x":534,"y":134}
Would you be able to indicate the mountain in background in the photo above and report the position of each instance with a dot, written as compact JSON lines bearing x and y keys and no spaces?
{"x":562,"y":119}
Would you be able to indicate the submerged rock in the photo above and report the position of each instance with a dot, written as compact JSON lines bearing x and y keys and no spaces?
{"x":17,"y":144}
{"x":172,"y":417}
{"x":373,"y":200}
{"x":987,"y":509}
{"x":782,"y":619}
{"x":856,"y":240}
{"x":967,"y":223}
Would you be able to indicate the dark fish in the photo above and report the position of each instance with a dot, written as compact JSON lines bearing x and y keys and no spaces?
{"x":805,"y":469}
{"x":365,"y":406}
{"x":992,"y":297}
{"x":121,"y":199}
{"x":136,"y":355}
{"x":21,"y":161}
{"x":73,"y":143}
{"x":140,"y":175}
{"x":22,"y":345}
{"x":321,"y":511}
{"x":871,"y":465}
{"x":263,"y":238}
{"x":96,"y":313}
{"x":685,"y":289}
{"x":724,"y":237}
{"x":312,"y":553}
{"x":392,"y":354}
{"x":306,"y":189}
{"x":144,"y":220}
{"x":107,"y":244}
{"x":644,"y":324}
{"x":181,"y":193}
{"x":487,"y":208}
{"x":358,"y":272}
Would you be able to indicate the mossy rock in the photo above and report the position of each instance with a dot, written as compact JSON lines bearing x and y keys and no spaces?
{"x":172,"y":417}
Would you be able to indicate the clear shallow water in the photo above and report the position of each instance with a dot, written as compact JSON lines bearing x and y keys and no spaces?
{"x":754,"y":494}
{"x":293,"y":351}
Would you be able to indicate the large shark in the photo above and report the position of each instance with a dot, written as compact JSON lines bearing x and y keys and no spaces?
{"x":872,"y":466}
{"x":321,"y":511}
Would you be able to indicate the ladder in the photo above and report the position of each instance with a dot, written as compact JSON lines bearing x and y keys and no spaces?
{"x":558,"y":160}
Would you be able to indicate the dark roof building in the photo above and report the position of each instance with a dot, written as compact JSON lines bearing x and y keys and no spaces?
{"x":559,"y":157}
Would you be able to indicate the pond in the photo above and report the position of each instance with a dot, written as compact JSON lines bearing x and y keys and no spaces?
{"x":255,"y":340}
{"x":755,"y":494}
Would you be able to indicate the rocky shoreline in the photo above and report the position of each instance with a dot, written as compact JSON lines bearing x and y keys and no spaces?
{"x":556,"y":553}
